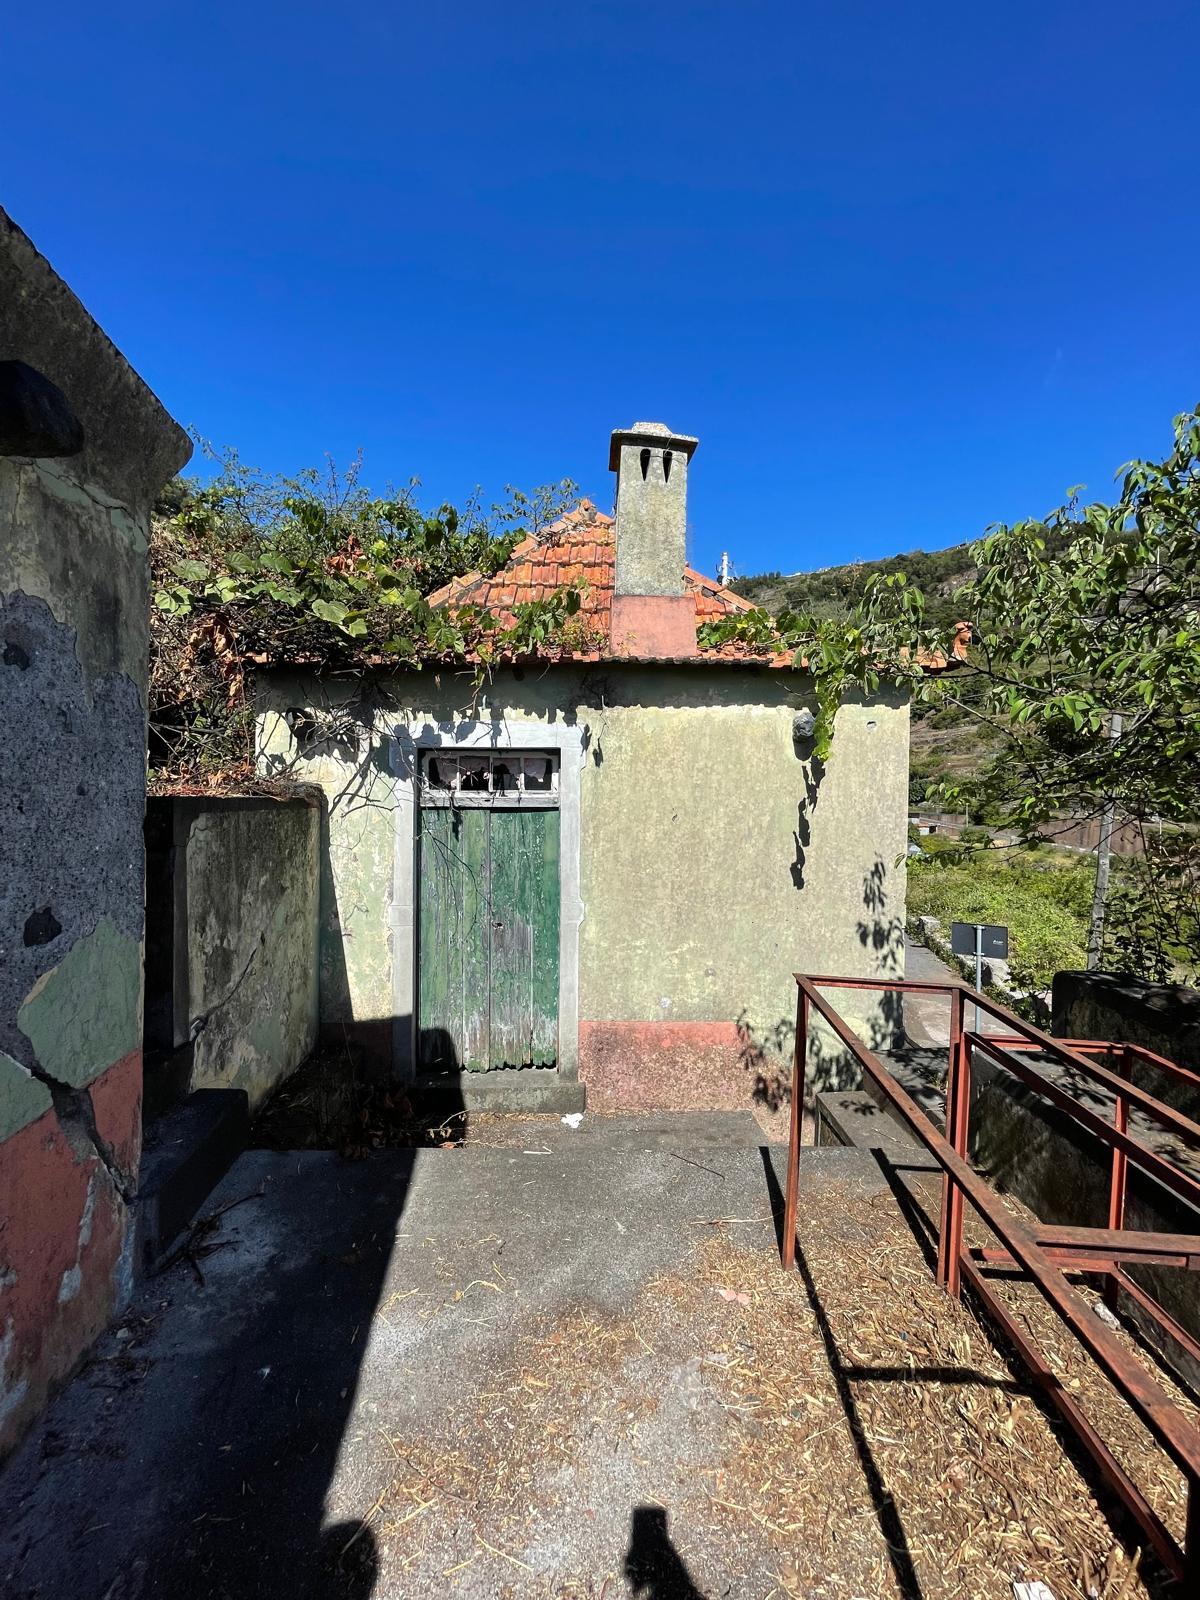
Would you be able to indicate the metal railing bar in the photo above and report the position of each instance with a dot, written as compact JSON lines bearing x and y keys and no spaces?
{"x":1146,"y":1397}
{"x":1171,"y":1176}
{"x":1170,"y":1118}
{"x":1051,"y":1386}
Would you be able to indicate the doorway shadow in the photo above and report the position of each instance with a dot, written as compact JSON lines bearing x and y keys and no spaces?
{"x":654,"y":1569}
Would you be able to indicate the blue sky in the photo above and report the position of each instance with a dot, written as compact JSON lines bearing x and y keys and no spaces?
{"x":904,"y":269}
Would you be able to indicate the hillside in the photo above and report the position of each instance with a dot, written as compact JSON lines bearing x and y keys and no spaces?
{"x":831,"y":590}
{"x":946,"y":743}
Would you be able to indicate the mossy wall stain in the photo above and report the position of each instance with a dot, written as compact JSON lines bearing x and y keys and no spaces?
{"x":251,"y":869}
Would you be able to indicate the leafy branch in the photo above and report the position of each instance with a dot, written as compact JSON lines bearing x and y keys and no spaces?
{"x":252,"y":570}
{"x":1089,"y":614}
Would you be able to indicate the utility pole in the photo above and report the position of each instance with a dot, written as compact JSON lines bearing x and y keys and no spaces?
{"x":724,"y":567}
{"x":1095,"y":946}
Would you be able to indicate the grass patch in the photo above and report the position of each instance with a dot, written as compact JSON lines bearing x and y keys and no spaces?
{"x":1042,"y":896}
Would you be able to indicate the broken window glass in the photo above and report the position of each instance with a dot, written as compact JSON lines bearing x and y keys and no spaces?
{"x":441,"y":771}
{"x":506,"y":774}
{"x":510,"y":773}
{"x":474,"y":772}
{"x":539,"y":772}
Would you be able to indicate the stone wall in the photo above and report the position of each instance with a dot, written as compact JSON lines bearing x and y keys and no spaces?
{"x":715,"y":856}
{"x":84,"y":447}
{"x":235,"y":902}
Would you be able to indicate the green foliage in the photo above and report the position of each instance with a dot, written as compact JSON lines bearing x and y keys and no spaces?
{"x":1086,"y":616}
{"x":1042,"y":897}
{"x":839,"y":652}
{"x":836,"y":592}
{"x":1154,"y":908}
{"x":316,"y":568}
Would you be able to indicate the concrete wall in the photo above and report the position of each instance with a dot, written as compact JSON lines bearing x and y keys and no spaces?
{"x":241,"y":887}
{"x":1163,"y":1017}
{"x":716,"y":858}
{"x":84,"y":447}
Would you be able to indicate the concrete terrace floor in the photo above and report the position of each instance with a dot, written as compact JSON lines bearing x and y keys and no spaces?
{"x":556,"y":1363}
{"x":250,"y":1433}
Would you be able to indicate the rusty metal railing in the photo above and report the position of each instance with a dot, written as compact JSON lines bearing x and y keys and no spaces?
{"x":1047,"y":1255}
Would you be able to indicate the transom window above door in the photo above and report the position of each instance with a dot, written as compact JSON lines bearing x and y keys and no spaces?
{"x":489,"y":777}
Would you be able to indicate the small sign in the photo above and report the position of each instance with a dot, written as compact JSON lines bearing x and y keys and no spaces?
{"x":992,"y":940}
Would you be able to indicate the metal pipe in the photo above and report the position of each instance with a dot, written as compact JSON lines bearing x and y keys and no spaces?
{"x":1174,"y":1178}
{"x":1046,"y":1253}
{"x":1051,"y":1386}
{"x":1118,"y":1181}
{"x":1167,"y":1115}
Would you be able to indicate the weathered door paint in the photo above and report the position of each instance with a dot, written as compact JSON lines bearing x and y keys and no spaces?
{"x":488,"y":938}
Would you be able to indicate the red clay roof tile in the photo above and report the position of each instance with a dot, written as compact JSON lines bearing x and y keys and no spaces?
{"x":580,"y":550}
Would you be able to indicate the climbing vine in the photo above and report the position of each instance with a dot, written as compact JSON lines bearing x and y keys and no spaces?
{"x":252,"y":570}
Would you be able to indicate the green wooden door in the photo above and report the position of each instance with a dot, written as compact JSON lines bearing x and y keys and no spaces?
{"x":488,"y":938}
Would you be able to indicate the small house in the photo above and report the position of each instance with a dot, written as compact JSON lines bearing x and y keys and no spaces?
{"x":597,"y":869}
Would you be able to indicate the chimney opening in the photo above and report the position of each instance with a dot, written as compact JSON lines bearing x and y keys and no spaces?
{"x":666,"y":466}
{"x":645,"y":463}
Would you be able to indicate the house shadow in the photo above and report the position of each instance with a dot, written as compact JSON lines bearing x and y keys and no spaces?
{"x":258,"y":1400}
{"x":264,"y":1406}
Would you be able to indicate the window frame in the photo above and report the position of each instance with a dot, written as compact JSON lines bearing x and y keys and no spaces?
{"x":518,"y":799}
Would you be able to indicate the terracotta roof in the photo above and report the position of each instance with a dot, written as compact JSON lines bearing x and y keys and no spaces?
{"x":580,"y":549}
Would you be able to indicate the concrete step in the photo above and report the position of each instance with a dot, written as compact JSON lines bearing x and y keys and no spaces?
{"x":506,"y":1089}
{"x":622,"y":1133}
{"x":185,"y":1154}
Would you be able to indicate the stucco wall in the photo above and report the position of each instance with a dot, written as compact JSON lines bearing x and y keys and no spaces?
{"x":74,"y":584}
{"x":716,"y":858}
{"x":245,"y":890}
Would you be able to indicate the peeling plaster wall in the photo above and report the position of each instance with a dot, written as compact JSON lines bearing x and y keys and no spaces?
{"x":716,"y":858}
{"x":245,"y":886}
{"x":74,"y":584}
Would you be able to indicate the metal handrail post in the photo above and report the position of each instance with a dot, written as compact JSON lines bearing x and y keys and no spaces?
{"x":1119,"y":1180}
{"x":948,"y":1253}
{"x":796,"y":1130}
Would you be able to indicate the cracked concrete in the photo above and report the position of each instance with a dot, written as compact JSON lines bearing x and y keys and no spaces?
{"x":77,"y":1119}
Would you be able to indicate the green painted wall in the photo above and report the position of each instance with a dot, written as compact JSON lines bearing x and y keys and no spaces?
{"x":715,"y":861}
{"x":88,"y":1009}
{"x":22,"y":1098}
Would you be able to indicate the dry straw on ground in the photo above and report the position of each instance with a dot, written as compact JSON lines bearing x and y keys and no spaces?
{"x":860,"y":1435}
